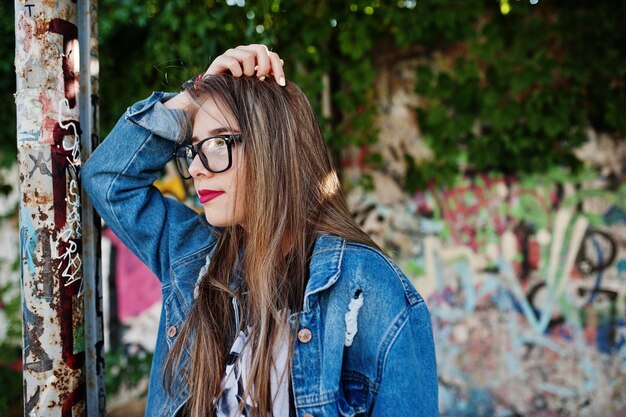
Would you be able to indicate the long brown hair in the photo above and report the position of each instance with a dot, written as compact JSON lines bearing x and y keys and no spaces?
{"x":292,"y":194}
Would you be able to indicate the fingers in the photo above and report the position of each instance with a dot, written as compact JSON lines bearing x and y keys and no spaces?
{"x":246,"y":58}
{"x":249,"y":60}
{"x":224,"y":63}
{"x":261,"y":55}
{"x":277,"y":68}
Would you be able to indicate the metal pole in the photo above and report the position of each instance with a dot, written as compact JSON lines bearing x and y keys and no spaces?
{"x":51,"y":235}
{"x":89,"y":119}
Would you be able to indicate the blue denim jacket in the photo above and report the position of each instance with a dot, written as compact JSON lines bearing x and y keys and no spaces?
{"x":389,"y":367}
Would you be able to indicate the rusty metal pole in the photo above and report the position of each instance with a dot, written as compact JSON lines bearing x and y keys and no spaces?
{"x":47,"y":63}
{"x":89,"y":120}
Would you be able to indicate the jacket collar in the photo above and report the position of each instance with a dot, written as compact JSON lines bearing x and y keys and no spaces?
{"x":324,"y":266}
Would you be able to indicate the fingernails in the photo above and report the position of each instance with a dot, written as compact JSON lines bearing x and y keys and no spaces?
{"x":282,"y":62}
{"x":262,"y":78}
{"x":281,"y":81}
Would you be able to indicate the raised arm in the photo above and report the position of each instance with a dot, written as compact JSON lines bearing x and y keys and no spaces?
{"x":119,"y":176}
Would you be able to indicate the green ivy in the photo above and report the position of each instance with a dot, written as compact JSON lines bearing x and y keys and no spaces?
{"x":523,"y":88}
{"x":8,"y":134}
{"x":517,"y":96}
{"x":518,"y":93}
{"x":125,"y":368}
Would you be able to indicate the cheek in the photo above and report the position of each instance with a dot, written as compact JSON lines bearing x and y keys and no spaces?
{"x":238,"y":179}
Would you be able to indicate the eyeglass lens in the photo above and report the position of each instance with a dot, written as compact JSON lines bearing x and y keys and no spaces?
{"x":213,"y":154}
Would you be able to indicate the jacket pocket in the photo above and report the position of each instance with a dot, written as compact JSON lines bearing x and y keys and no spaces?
{"x":355,"y":395}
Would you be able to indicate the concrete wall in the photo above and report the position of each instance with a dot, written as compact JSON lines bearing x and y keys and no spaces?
{"x":525,"y":276}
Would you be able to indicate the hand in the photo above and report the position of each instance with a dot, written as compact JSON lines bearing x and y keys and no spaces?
{"x":249,"y":60}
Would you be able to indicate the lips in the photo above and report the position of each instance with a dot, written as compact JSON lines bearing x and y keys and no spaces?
{"x":208,"y":195}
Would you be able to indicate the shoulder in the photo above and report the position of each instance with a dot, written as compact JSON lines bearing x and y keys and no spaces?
{"x":375,"y":271}
{"x":369,"y":288}
{"x":374,"y":310}
{"x":339,"y":269}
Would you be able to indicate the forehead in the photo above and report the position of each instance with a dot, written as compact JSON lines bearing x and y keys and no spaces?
{"x":213,"y":118}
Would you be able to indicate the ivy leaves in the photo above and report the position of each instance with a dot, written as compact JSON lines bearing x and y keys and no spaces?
{"x":518,"y":95}
{"x":510,"y":93}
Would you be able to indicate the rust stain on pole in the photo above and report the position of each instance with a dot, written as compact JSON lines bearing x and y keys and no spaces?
{"x":48,"y":140}
{"x":92,"y":282}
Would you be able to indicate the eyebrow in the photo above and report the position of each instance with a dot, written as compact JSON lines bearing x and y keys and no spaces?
{"x":214,"y":132}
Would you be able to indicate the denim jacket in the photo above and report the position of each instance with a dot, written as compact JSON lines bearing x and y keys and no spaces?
{"x":383,"y":366}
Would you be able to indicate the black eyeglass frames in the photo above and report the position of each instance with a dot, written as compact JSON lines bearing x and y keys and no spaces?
{"x":215,"y":153}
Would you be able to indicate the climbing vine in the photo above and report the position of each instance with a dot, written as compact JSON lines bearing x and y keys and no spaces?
{"x":518,"y":87}
{"x":523,"y":80}
{"x":518,"y":94}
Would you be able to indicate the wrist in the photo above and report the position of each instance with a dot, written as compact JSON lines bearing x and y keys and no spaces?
{"x":180,"y":101}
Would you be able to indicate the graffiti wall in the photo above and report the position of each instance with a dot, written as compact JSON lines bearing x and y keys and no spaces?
{"x":525,"y":277}
{"x":528,"y":297}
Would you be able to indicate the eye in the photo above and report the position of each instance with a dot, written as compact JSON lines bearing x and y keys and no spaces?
{"x":218,"y":143}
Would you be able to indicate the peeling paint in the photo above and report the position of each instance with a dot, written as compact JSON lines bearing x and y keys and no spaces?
{"x":49,"y":162}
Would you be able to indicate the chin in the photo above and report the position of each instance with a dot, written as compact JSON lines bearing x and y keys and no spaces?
{"x":219,"y":221}
{"x":215,"y":221}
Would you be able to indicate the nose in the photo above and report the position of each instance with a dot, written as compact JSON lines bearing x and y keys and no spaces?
{"x":197,"y":169}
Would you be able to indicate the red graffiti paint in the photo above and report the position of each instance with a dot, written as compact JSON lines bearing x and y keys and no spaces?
{"x":60,"y":165}
{"x":69,"y":249}
{"x":66,"y":309}
{"x":73,"y":398}
{"x":534,"y":254}
{"x":67,"y":257}
{"x":480,"y":209}
{"x":47,"y":128}
{"x":69,"y":31}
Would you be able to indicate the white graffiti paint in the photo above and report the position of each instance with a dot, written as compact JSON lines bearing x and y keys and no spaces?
{"x":73,"y":143}
{"x":71,"y":258}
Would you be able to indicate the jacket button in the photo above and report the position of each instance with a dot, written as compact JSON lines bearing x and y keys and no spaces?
{"x":171,"y":331}
{"x":305,"y":336}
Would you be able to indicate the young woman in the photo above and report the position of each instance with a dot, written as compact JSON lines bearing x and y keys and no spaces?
{"x":275,"y":303}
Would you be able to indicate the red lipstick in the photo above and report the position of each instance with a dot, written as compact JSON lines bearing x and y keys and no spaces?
{"x":208,"y":195}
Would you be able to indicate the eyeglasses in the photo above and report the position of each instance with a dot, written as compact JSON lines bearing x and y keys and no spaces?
{"x":215,"y":154}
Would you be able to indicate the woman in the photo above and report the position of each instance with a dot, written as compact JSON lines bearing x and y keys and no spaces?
{"x":274,"y":301}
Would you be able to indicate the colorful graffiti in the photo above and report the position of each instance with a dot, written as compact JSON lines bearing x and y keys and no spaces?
{"x":525,"y":276}
{"x":136,"y":301}
{"x":525,"y":279}
{"x":526,"y":283}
